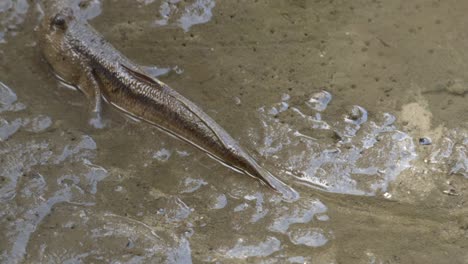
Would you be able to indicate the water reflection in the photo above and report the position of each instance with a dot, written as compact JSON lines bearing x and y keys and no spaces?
{"x":12,"y":15}
{"x":118,"y":239}
{"x":89,"y":9}
{"x":264,"y":248}
{"x":302,"y":212}
{"x":38,"y":174}
{"x":45,"y":172}
{"x":450,"y":153}
{"x":8,"y":99}
{"x":311,"y":237}
{"x":8,"y":103}
{"x":184,"y":14}
{"x":350,"y":154}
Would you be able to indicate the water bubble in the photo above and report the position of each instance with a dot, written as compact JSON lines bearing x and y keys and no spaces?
{"x":319,"y":101}
{"x":357,"y":115}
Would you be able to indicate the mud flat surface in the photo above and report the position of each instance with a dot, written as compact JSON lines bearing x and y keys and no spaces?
{"x":360,"y":105}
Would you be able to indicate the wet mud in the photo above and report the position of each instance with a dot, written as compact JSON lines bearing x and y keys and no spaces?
{"x":360,"y":106}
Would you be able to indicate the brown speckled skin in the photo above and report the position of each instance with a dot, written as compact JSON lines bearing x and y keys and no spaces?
{"x":80,"y":56}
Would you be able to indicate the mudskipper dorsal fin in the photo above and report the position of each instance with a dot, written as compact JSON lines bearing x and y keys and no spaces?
{"x":141,"y":76}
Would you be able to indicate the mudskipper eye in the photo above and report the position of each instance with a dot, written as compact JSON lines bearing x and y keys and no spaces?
{"x":59,"y":21}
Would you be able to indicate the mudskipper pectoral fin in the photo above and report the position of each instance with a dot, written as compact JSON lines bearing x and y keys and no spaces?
{"x":90,"y":87}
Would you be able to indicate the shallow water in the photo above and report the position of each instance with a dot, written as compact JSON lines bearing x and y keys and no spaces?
{"x":334,"y":97}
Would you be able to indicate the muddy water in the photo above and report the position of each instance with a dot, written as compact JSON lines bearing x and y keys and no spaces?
{"x":361,"y":106}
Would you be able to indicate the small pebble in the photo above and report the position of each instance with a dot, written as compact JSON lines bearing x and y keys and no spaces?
{"x":457,"y":87}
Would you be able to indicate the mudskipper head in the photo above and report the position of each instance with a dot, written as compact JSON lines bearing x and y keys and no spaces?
{"x":54,"y":40}
{"x":55,"y":22}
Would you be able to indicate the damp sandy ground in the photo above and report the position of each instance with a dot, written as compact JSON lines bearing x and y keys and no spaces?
{"x":359,"y":105}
